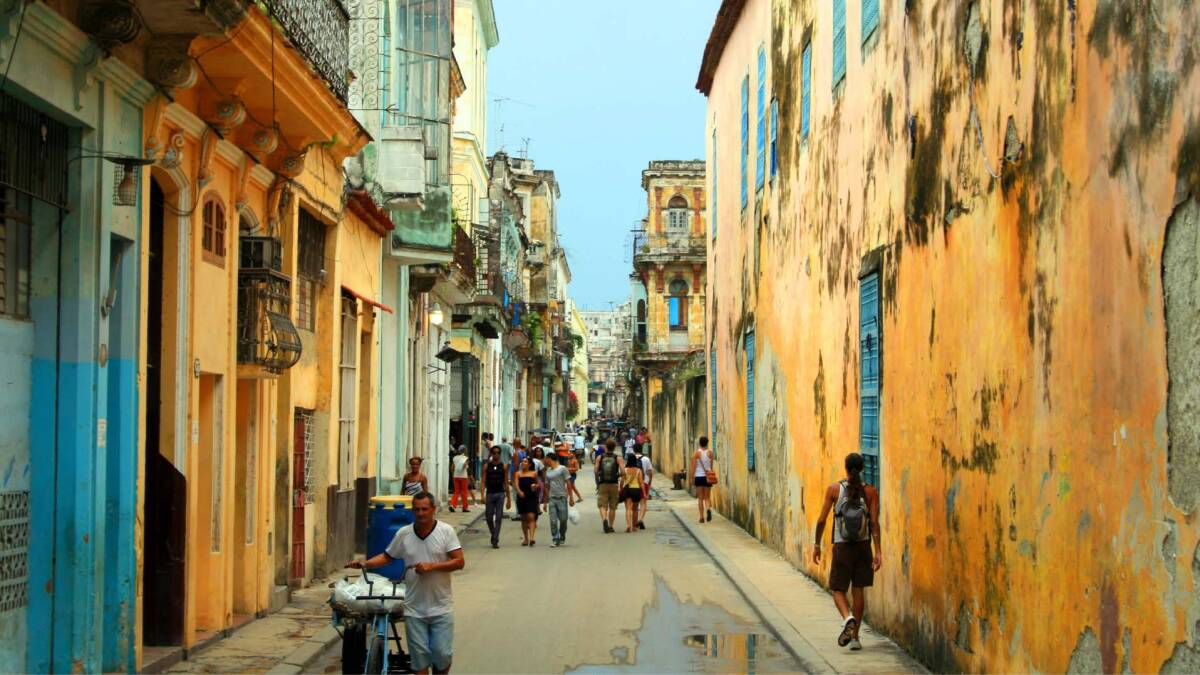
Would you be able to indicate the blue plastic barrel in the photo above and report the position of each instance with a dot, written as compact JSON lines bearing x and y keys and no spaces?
{"x":386,"y":516}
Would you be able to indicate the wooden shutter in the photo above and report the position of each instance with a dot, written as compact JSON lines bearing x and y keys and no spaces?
{"x":839,"y":41}
{"x":806,"y":87}
{"x":760,"y":139}
{"x":750,"y":400}
{"x":870,"y":18}
{"x":871,"y":352}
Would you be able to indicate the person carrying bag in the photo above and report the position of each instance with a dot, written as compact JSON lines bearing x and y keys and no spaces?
{"x":704,"y":477}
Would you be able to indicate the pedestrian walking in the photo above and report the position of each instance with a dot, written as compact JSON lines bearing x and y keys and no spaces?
{"x":855,"y":508}
{"x":573,"y":467}
{"x":704,"y":477}
{"x":643,"y":457}
{"x":496,"y":495}
{"x":631,"y":490}
{"x":527,"y":501}
{"x":539,"y":462}
{"x":431,"y":551}
{"x":462,"y":481}
{"x":608,"y":479}
{"x":415,"y":482}
{"x":558,"y":481}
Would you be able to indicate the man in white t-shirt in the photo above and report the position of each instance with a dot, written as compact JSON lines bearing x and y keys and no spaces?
{"x":643,"y":456}
{"x":430,"y":551}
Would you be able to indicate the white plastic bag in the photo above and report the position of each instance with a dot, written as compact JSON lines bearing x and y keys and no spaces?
{"x":348,"y":590}
{"x":573,"y":515}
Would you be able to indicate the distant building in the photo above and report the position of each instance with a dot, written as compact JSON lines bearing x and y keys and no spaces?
{"x":608,"y":359}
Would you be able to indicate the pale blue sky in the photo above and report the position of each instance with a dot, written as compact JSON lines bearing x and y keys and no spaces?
{"x":599,"y":89}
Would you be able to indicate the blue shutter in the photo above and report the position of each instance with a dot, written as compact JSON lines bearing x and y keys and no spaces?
{"x":750,"y":400}
{"x":871,"y":351}
{"x":774,"y":137}
{"x":745,"y":134}
{"x":870,"y":18}
{"x":712,"y":387}
{"x":674,"y":312}
{"x":806,"y":87}
{"x":839,"y":41}
{"x":712,"y":217}
{"x":760,"y":167}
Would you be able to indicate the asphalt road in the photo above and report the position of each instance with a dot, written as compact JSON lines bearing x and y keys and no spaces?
{"x":645,"y":602}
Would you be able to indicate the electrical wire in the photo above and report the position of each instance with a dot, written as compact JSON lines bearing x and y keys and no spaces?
{"x":16,"y":41}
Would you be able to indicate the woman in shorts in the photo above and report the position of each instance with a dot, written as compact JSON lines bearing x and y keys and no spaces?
{"x":631,"y":490}
{"x":703,"y":477}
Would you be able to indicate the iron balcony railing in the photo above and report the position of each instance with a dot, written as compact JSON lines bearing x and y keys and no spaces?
{"x":464,"y":253}
{"x":320,"y":30}
{"x":671,"y":245}
{"x":488,"y":280}
{"x":266,"y":335}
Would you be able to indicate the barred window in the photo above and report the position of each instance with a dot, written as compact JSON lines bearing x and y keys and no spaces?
{"x":213,"y":237}
{"x":310,"y":266}
{"x":14,"y":253}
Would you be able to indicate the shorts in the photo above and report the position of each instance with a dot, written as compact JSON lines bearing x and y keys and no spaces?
{"x":573,"y":478}
{"x":430,"y":641}
{"x":645,"y":491}
{"x":607,"y":496}
{"x":633,"y":493}
{"x":700,"y":481}
{"x":851,"y":564}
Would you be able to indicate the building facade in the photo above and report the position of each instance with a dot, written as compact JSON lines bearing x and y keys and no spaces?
{"x":921,"y":250}
{"x":669,"y":259}
{"x":609,"y":338}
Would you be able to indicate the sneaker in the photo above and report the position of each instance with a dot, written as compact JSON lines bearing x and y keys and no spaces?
{"x":847,"y":633}
{"x":709,"y":514}
{"x":554,"y":544}
{"x":641,"y":525}
{"x":495,"y":545}
{"x":855,"y":645}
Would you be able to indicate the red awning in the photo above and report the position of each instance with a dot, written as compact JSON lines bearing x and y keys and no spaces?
{"x":367,"y":300}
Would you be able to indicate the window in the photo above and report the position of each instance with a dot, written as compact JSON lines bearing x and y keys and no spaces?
{"x":212,"y":239}
{"x":745,"y":134}
{"x":805,"y":88}
{"x":760,"y":141}
{"x":871,"y":351}
{"x":678,"y":305}
{"x":839,"y":41}
{"x":750,"y":399}
{"x":870,"y":18}
{"x":774,"y":137}
{"x":677,"y":214}
{"x":712,"y":216}
{"x":15,"y":233}
{"x":310,"y":266}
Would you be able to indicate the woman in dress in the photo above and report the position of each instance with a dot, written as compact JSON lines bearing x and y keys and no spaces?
{"x":415,"y":482}
{"x":630,"y":489}
{"x":527,"y":500}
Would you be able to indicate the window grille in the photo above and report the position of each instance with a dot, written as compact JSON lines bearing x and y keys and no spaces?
{"x":15,"y":234}
{"x":310,"y":442}
{"x":310,"y":265}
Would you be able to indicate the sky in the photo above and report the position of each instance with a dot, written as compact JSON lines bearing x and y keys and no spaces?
{"x":599,"y":89}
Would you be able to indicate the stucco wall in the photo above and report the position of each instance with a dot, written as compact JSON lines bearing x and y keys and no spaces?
{"x":678,"y":420}
{"x":1027,"y":435}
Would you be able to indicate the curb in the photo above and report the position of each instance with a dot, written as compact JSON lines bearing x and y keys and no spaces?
{"x":311,"y":649}
{"x":797,"y":645}
{"x":307,"y":653}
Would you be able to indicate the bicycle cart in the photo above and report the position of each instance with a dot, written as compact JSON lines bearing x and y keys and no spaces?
{"x":369,"y":630}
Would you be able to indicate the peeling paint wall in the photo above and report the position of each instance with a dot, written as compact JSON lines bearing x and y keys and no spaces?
{"x":1025,"y":176}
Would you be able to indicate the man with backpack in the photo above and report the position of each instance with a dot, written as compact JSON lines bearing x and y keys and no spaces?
{"x":855,"y":507}
{"x":608,"y":475}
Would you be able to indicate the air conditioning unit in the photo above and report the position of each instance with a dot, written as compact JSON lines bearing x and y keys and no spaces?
{"x":402,"y":166}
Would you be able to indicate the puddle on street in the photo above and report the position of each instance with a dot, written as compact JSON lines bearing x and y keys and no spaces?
{"x":679,"y":637}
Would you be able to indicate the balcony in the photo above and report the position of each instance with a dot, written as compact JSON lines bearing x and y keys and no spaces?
{"x":320,"y":30}
{"x":267,"y":341}
{"x":649,"y":248}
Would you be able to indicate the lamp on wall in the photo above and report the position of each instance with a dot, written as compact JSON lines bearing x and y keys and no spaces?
{"x":436,"y":316}
{"x":125,"y":192}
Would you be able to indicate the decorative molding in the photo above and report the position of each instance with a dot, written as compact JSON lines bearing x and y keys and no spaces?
{"x":228,"y":115}
{"x":84,"y":73}
{"x":208,"y":144}
{"x":173,"y":155}
{"x":243,"y":175}
{"x":168,"y":64}
{"x":186,"y":120}
{"x":156,"y":108}
{"x":261,"y":175}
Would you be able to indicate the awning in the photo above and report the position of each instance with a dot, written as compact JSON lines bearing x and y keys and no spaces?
{"x":367,"y":300}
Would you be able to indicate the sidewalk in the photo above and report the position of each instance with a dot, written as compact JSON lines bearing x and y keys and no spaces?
{"x":288,"y":641}
{"x":797,"y":609}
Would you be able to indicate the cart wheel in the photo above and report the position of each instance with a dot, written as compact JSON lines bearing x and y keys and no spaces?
{"x":354,"y":646}
{"x":375,"y":656}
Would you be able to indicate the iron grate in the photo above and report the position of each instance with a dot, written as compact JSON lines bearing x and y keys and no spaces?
{"x":14,"y":550}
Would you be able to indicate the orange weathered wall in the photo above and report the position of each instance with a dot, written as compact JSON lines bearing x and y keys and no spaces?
{"x":1028,"y":519}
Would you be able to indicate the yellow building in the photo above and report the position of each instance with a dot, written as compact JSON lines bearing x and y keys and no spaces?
{"x":261,"y":277}
{"x":961,"y":239}
{"x":579,"y":361}
{"x":669,"y":261}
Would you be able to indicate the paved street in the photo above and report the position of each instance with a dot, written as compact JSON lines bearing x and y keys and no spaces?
{"x":650,"y":602}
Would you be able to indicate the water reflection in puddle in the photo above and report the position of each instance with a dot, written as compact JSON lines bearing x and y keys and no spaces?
{"x":679,"y":637}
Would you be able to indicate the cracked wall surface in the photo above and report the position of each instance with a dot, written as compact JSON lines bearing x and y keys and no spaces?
{"x":1026,"y":174}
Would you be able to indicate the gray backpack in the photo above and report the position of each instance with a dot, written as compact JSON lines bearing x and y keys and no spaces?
{"x":853,"y":518}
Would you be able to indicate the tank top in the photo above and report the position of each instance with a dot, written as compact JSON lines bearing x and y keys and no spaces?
{"x":703,"y":463}
{"x":412,"y":487}
{"x":635,"y":481}
{"x":493,"y":476}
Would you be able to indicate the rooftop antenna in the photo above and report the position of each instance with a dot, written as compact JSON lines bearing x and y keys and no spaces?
{"x":500,"y":101}
{"x":525,"y":147}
